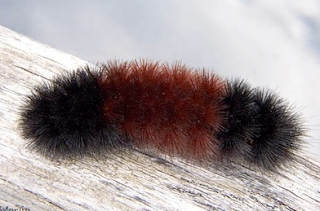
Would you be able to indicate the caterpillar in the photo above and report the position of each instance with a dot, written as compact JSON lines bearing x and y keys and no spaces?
{"x":171,"y":109}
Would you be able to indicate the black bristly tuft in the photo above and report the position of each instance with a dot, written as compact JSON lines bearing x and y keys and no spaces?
{"x":260,"y":127}
{"x":240,"y":128}
{"x":280,"y":133}
{"x":64,"y":118}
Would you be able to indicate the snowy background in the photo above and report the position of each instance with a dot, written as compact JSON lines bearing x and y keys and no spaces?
{"x":274,"y":44}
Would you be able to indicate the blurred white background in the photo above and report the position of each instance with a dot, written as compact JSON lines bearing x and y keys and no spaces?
{"x":273,"y":44}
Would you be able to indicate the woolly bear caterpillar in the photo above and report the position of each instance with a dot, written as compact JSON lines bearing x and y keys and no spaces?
{"x":170,"y":109}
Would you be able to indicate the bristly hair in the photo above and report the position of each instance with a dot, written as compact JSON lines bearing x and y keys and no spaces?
{"x":164,"y":108}
{"x":280,"y":131}
{"x":261,"y":127}
{"x":170,"y":109}
{"x":64,"y":117}
{"x":241,"y":127}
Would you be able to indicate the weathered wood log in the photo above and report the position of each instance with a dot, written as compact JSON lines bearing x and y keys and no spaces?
{"x":126,"y":180}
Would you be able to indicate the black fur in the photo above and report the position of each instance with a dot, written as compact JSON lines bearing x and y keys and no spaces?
{"x":241,"y":127}
{"x":64,"y":118}
{"x":260,"y":128}
{"x":280,"y":131}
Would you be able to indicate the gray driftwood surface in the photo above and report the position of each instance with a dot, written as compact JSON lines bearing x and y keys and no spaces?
{"x":128,"y":180}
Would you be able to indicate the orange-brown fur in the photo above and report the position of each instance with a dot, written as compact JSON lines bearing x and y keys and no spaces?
{"x":167,"y":108}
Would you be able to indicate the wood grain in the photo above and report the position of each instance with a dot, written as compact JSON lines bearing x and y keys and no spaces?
{"x":125,"y":180}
